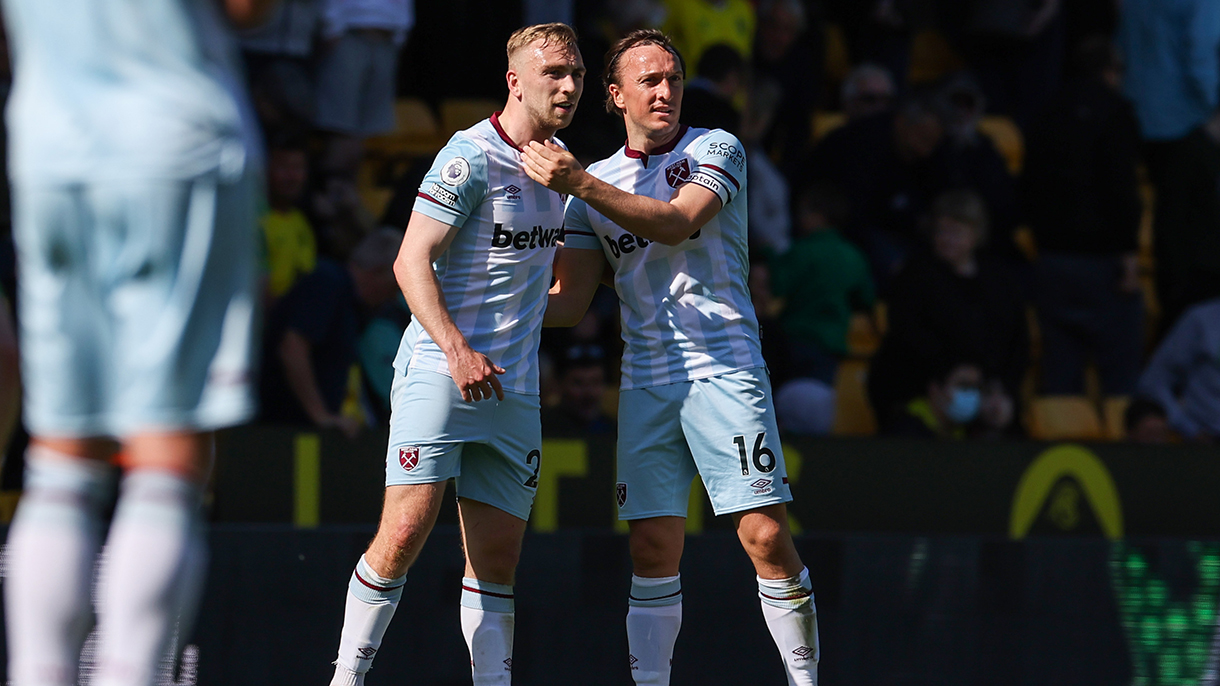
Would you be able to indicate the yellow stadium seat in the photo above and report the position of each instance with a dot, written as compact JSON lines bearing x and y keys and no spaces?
{"x":838,"y":59}
{"x":1007,"y":138}
{"x":931,"y":57}
{"x":825,"y":122}
{"x":416,"y":132}
{"x":853,"y":414}
{"x":1064,"y":418}
{"x":462,"y":113}
{"x":862,"y":338}
{"x":1112,"y":409}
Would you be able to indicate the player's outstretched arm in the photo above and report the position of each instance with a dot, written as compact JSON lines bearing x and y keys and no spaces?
{"x":670,"y":222}
{"x":577,"y":274}
{"x":425,"y":240}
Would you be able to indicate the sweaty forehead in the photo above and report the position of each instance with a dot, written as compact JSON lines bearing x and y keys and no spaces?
{"x":542,"y":52}
{"x":648,"y":59}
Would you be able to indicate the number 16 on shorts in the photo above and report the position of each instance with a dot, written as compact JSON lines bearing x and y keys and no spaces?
{"x":762,"y":458}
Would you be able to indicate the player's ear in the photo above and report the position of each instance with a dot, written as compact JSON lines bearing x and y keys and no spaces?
{"x":514,"y":83}
{"x":616,"y":94}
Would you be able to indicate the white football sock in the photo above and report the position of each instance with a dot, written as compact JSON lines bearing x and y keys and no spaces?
{"x":371,"y":601}
{"x":654,"y":617}
{"x":151,"y":577}
{"x":52,"y":545}
{"x":488,"y":615}
{"x":792,"y":618}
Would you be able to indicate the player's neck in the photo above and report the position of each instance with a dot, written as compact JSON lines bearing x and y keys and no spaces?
{"x":647,"y":141}
{"x":517,"y":125}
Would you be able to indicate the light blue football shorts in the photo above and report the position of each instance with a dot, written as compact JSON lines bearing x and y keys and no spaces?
{"x":138,"y":301}
{"x":491,"y":448}
{"x":721,"y":428}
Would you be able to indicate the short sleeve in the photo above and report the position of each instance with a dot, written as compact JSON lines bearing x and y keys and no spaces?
{"x":456,"y":184}
{"x":721,"y":160}
{"x":577,"y":230}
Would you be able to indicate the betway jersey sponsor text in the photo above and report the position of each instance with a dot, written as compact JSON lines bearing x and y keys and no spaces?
{"x":497,"y":270}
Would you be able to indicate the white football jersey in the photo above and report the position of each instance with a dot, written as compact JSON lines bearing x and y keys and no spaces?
{"x":686,"y":309}
{"x":496,"y":272}
{"x":125,"y":89}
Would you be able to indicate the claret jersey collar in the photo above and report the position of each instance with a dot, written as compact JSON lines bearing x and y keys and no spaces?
{"x":663,"y":150}
{"x":495,"y":122}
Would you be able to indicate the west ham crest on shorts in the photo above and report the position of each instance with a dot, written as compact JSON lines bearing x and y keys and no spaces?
{"x":408,"y":457}
{"x":677,"y":173}
{"x":620,"y":491}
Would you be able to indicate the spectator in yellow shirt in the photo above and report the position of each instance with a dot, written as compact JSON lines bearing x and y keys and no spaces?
{"x":696,"y":25}
{"x":291,"y":249}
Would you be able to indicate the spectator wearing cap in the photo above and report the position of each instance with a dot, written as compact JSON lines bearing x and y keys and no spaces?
{"x":581,"y":372}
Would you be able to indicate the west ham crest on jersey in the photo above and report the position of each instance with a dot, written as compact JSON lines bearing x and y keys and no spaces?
{"x":677,"y":173}
{"x":408,"y":457}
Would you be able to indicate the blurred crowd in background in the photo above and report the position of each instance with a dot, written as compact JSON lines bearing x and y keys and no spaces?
{"x":986,"y":219}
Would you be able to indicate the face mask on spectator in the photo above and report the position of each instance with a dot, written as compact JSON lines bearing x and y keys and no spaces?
{"x":963,"y":405}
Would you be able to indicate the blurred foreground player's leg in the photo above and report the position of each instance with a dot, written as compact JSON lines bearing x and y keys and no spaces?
{"x":132,"y":156}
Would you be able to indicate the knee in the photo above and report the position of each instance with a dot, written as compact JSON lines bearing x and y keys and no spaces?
{"x":495,"y":560}
{"x":653,"y":552}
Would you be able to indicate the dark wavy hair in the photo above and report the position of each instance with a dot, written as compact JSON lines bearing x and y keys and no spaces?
{"x":610,"y":74}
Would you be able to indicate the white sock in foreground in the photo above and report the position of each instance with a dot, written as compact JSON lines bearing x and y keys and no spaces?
{"x":52,"y":544}
{"x":371,"y":601}
{"x":653,"y":620}
{"x":792,"y":618}
{"x":488,"y":614}
{"x":151,"y":578}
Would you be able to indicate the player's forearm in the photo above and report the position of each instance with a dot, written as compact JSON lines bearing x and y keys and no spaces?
{"x":427,"y":302}
{"x":645,"y":217}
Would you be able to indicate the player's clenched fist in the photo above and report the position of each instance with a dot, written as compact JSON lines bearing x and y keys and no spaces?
{"x":552,"y":166}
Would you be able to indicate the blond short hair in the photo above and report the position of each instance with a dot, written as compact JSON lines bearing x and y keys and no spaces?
{"x":556,"y":32}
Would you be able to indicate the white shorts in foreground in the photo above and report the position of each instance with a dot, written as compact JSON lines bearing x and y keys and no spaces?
{"x":138,"y":303}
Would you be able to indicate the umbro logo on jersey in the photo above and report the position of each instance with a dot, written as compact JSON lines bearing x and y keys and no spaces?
{"x":802,"y":653}
{"x":761,"y":483}
{"x":367,"y":652}
{"x":508,"y":664}
{"x":512,"y":193}
{"x":536,"y":237}
{"x":631,"y":660}
{"x":408,"y":457}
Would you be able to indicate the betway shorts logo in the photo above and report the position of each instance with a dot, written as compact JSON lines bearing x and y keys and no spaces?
{"x":536,"y":237}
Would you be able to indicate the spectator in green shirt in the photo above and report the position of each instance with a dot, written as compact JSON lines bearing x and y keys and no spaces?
{"x":822,"y":278}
